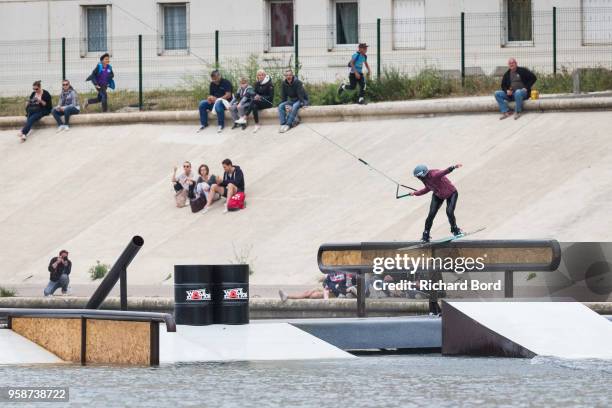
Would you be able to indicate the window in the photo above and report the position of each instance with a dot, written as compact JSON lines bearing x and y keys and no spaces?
{"x":96,"y":29}
{"x":408,"y":24}
{"x":175,"y":26}
{"x":280,"y":14}
{"x":346,"y":22}
{"x":596,"y":22}
{"x":518,"y":21}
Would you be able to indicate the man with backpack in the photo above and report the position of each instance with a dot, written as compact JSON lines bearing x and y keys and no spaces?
{"x":356,"y":75}
{"x":231,"y":187}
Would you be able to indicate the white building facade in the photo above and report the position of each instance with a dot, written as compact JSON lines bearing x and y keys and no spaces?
{"x":179,"y":38}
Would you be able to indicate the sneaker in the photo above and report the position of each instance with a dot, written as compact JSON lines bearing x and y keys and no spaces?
{"x":425,"y":237}
{"x":340,"y":89}
{"x":219,"y":129}
{"x":205,"y":210}
{"x":241,"y":121}
{"x":361,"y":101}
{"x":243,"y":126}
{"x":225,"y":210}
{"x":518,"y":115}
{"x":59,"y":128}
{"x":351,"y":291}
{"x":202,"y":128}
{"x":505,"y":115}
{"x":456,"y":231}
{"x":341,"y":296}
{"x":22,"y":137}
{"x":235,"y":125}
{"x":66,"y":128}
{"x":256,"y":128}
{"x":283,"y":295}
{"x":283,"y":129}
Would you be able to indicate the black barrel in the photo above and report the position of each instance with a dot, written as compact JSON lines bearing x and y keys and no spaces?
{"x":231,"y":294}
{"x":193,"y":289}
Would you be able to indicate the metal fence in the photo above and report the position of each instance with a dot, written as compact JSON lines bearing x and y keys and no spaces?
{"x":459,"y":46}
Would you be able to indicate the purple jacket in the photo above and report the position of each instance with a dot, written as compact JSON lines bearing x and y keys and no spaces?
{"x":436,"y":181}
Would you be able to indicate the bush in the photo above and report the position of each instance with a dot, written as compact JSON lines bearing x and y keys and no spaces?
{"x":4,"y":292}
{"x":98,"y":271}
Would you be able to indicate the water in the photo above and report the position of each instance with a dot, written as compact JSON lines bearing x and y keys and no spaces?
{"x":370,"y":381}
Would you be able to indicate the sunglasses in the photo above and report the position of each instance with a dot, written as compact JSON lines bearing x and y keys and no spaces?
{"x":65,"y":84}
{"x":186,"y":167}
{"x":35,"y":89}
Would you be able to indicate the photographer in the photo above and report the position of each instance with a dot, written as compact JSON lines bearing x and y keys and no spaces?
{"x":39,"y":104}
{"x":59,"y":269}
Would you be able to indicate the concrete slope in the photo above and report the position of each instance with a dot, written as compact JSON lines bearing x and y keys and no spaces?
{"x":91,"y":189}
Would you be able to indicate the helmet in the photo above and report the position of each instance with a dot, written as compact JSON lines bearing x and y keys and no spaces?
{"x":420,"y":170}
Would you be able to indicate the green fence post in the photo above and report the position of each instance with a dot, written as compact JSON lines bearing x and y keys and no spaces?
{"x":140,"y":95}
{"x":296,"y":47}
{"x":462,"y":48}
{"x":216,"y":49}
{"x":63,"y":58}
{"x":554,"y":39}
{"x":378,"y":69}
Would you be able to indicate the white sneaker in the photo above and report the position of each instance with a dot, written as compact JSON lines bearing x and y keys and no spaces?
{"x":66,"y":128}
{"x":241,"y":121}
{"x":59,"y":128}
{"x":282,"y":295}
{"x":201,"y":128}
{"x":225,"y":211}
{"x":256,"y":128}
{"x":281,"y":129}
{"x":219,"y":129}
{"x":205,"y":210}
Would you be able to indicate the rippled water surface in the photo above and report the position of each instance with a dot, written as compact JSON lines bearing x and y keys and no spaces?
{"x":370,"y":381}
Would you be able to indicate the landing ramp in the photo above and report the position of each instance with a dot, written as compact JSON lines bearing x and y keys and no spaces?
{"x":16,"y":349}
{"x":525,"y":329}
{"x":251,"y":342}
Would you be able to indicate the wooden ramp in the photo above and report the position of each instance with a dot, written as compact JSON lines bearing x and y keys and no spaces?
{"x":525,"y":329}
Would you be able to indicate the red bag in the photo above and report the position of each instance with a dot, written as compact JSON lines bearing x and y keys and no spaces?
{"x":236,"y":202}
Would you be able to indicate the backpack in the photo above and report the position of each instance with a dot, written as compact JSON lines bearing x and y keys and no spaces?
{"x":198,"y":203}
{"x":236,"y":202}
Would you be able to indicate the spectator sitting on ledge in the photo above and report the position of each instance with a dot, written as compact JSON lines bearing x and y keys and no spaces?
{"x":515,"y":86}
{"x":293,"y":97}
{"x":68,"y":106}
{"x":220,"y":93}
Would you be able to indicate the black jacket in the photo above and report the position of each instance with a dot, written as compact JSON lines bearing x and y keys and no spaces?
{"x":46,"y":96}
{"x":59,"y":271}
{"x":294,"y":91}
{"x":265,"y":90}
{"x":236,"y":178}
{"x":526,"y":75}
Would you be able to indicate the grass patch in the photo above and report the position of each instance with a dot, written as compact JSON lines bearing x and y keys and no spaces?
{"x":5,"y":292}
{"x":98,"y":271}
{"x":393,"y":85}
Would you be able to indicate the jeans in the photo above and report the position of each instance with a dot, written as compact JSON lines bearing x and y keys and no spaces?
{"x":218,"y":106}
{"x":69,"y":111}
{"x":32,"y":118}
{"x":518,"y":96}
{"x":62,"y":282}
{"x":353,"y":81}
{"x":102,"y":97}
{"x":256,"y":106}
{"x":287,"y":119}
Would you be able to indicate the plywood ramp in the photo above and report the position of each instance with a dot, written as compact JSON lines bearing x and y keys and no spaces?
{"x":61,"y":337}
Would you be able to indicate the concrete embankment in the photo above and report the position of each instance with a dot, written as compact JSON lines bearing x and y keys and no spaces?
{"x":260,"y":308}
{"x":333,"y":113}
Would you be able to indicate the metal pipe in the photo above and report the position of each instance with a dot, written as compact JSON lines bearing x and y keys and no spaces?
{"x":115,"y":273}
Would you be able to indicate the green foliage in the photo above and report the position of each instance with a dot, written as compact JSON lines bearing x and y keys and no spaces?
{"x":531,"y":276}
{"x":98,"y":271}
{"x":5,"y":292}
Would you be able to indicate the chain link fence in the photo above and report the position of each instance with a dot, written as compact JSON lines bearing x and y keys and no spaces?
{"x":149,"y":76}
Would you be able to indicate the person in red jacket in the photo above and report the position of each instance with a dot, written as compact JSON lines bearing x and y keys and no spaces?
{"x":436,"y":181}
